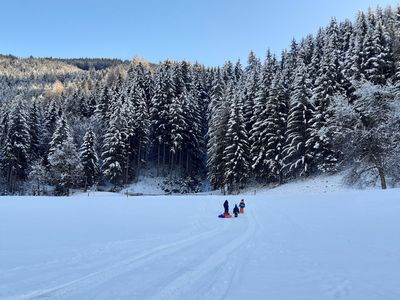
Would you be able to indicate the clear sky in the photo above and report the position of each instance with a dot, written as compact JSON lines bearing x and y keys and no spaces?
{"x":208,"y":31}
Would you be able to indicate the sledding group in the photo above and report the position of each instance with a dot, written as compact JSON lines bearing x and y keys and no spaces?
{"x":236,"y":209}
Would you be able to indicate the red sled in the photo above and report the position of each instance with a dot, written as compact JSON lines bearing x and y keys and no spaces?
{"x":223,"y":216}
{"x":227,"y":215}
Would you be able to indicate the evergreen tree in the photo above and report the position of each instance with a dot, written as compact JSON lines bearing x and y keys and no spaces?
{"x":217,"y":126}
{"x":115,"y":152}
{"x":35,"y":131}
{"x":250,"y":89}
{"x":195,"y":144}
{"x":298,"y":159}
{"x":358,"y":54}
{"x":141,"y":125}
{"x":327,"y":86}
{"x":378,"y":66}
{"x":275,"y":127}
{"x":89,"y":159}
{"x":178,"y":125}
{"x":51,"y":116}
{"x":236,"y":152}
{"x":65,"y":170}
{"x":15,"y":151}
{"x":261,"y":112}
{"x":4,"y":123}
{"x":164,"y":93}
{"x":103,"y":103}
{"x":61,"y":134}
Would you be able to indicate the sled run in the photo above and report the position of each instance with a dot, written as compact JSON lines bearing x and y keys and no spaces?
{"x":307,"y":240}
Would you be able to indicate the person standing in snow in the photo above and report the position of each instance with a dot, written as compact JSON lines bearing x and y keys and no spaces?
{"x":236,"y":210}
{"x":226,"y":207}
{"x":242,"y":205}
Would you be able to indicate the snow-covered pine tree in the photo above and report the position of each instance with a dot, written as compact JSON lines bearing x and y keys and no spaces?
{"x":36,"y":148}
{"x":200,"y":96}
{"x":236,"y":152}
{"x":327,"y":85}
{"x":185,"y":120}
{"x":358,"y":54}
{"x":257,"y":138}
{"x":291,"y":59}
{"x":61,"y":135}
{"x":194,"y":146}
{"x":275,"y":127}
{"x":297,"y":160}
{"x":92,"y":97}
{"x":346,"y":59}
{"x":116,"y":146}
{"x":141,"y":125}
{"x":395,"y":38}
{"x":178,"y":126}
{"x":139,"y":91}
{"x":103,"y":103}
{"x":315,"y":64}
{"x":4,"y":123}
{"x":228,"y":72}
{"x":307,"y":44}
{"x":65,"y":170}
{"x":378,"y":65}
{"x":15,"y":151}
{"x":51,"y":116}
{"x":250,"y":89}
{"x":217,"y":123}
{"x":144,"y":79}
{"x":89,"y":159}
{"x":238,"y":71}
{"x":164,"y":93}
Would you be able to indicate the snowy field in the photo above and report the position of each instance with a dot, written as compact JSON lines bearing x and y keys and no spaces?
{"x":306,"y":240}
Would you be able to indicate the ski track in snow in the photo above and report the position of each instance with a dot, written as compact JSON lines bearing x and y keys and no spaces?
{"x":217,"y":260}
{"x":279,"y":249}
{"x":117,"y":269}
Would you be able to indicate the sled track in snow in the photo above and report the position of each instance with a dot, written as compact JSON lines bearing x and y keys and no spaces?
{"x":215,"y":261}
{"x":116,"y":269}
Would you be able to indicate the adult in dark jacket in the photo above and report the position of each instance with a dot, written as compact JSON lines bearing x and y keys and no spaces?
{"x":226,"y":207}
{"x":236,"y":210}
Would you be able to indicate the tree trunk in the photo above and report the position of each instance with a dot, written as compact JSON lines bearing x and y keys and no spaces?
{"x":127,"y":169}
{"x":382,"y":177}
{"x":164,"y":155}
{"x":280,"y":178}
{"x":158,"y":160}
{"x":180,"y":160}
{"x":171,"y":163}
{"x":187,"y":162}
{"x":139,"y":159}
{"x":379,"y":166}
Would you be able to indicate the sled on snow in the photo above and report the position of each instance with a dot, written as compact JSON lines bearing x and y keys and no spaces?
{"x":225,"y":216}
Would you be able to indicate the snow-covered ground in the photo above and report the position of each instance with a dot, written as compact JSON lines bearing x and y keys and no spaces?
{"x":305,"y":240}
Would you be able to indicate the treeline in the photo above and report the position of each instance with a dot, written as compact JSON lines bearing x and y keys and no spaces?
{"x":328,"y":103}
{"x":91,"y":63}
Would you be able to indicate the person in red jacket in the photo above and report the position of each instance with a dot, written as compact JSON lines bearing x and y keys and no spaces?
{"x":242,"y":205}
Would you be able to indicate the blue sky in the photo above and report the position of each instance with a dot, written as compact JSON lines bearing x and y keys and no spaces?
{"x":208,"y":31}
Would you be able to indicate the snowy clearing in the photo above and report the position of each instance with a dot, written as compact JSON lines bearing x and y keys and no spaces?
{"x":306,"y":240}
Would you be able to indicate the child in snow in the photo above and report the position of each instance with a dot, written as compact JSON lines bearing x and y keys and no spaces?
{"x":236,"y":210}
{"x":242,"y":206}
